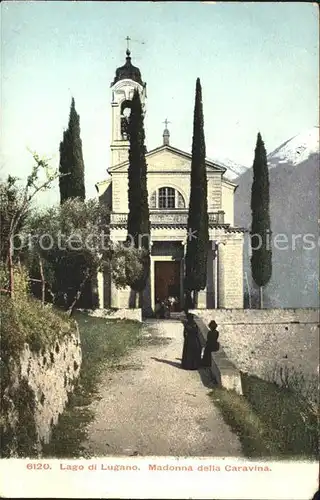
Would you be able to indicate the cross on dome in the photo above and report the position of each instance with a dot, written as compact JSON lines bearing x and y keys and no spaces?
{"x":128,"y":47}
{"x":128,"y":71}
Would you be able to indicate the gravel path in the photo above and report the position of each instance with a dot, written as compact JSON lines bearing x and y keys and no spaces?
{"x":153,"y":407}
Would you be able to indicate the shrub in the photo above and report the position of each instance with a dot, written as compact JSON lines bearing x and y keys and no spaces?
{"x":304,"y":386}
{"x":28,"y":321}
{"x":21,"y":280}
{"x":25,"y":319}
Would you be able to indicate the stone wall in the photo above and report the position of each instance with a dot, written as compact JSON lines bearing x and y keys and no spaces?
{"x":257,"y":341}
{"x":252,"y":316}
{"x":47,"y":379}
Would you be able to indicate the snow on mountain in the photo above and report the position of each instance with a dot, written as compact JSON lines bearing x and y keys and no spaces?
{"x":233,"y":169}
{"x":297,"y":149}
{"x":292,"y":152}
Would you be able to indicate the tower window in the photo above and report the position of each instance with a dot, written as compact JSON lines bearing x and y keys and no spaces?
{"x":125,"y":114}
{"x":167,"y":198}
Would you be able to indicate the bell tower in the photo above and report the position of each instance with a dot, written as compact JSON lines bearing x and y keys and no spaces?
{"x":127,"y":79}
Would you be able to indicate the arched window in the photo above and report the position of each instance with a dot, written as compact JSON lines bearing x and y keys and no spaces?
{"x":166,"y":198}
{"x":180,"y":200}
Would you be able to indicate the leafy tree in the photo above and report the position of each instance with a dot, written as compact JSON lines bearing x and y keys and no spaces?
{"x":71,"y":243}
{"x":68,"y":247}
{"x":138,"y":217}
{"x":71,"y":160}
{"x":126,"y":265}
{"x":10,"y":195}
{"x":261,"y":258}
{"x":16,"y":202}
{"x":198,"y":232}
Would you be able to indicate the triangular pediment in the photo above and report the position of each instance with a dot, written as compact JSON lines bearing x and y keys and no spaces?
{"x":168,"y":159}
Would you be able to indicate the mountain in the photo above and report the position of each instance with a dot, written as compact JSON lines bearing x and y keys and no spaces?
{"x":234,"y":170}
{"x":294,"y":211}
{"x":297,"y":149}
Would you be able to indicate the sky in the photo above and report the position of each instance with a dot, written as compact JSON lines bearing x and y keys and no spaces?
{"x":258,"y":64}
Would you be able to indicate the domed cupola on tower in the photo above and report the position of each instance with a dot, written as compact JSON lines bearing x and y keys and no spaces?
{"x":126,"y":81}
{"x":128,"y":71}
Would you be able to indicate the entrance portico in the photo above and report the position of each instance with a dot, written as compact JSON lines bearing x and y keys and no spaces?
{"x":167,"y":280}
{"x":167,"y":267}
{"x":167,"y":271}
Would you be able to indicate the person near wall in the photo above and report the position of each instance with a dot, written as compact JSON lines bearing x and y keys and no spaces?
{"x":191,"y":354}
{"x":212,"y":344}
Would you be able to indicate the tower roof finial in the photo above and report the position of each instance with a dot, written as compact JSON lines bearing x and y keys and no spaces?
{"x":166,"y":122}
{"x":128,"y":71}
{"x":128,"y":47}
{"x":166,"y":133}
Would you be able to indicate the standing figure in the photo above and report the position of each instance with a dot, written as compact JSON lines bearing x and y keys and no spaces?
{"x":171,"y":301}
{"x":191,"y":354}
{"x":162,"y":311}
{"x":166,"y":305}
{"x":176,"y":304}
{"x":212,"y":344}
{"x":157,"y":309}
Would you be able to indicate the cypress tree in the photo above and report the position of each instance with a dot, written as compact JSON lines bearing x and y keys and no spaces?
{"x":71,"y":160}
{"x":261,"y":258}
{"x":138,"y":217}
{"x":198,"y":226}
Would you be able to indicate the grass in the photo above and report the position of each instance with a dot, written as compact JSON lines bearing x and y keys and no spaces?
{"x":271,"y":421}
{"x":103,"y":344}
{"x":295,"y":380}
{"x":26,"y":320}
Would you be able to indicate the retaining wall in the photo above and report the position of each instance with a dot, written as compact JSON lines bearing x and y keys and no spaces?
{"x":257,"y":341}
{"x":37,"y":391}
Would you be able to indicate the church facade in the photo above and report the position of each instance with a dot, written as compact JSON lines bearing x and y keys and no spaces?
{"x":168,"y":183}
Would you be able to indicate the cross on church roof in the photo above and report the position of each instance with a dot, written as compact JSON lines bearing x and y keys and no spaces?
{"x":166,"y":133}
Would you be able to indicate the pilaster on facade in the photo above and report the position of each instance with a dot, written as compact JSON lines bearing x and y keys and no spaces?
{"x":230,"y":273}
{"x":206,"y":297}
{"x":114,"y":295}
{"x":100,"y":285}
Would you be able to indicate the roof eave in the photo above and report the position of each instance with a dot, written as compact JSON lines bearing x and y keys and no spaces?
{"x":175,"y":150}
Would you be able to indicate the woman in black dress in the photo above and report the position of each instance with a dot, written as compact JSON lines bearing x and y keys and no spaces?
{"x":212,"y":344}
{"x":191,"y":354}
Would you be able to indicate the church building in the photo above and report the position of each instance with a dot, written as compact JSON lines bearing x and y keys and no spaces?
{"x":168,"y":183}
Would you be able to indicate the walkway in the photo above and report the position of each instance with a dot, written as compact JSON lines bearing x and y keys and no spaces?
{"x":153,"y":407}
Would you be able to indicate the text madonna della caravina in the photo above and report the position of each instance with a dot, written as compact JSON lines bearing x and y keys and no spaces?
{"x":209,"y":468}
